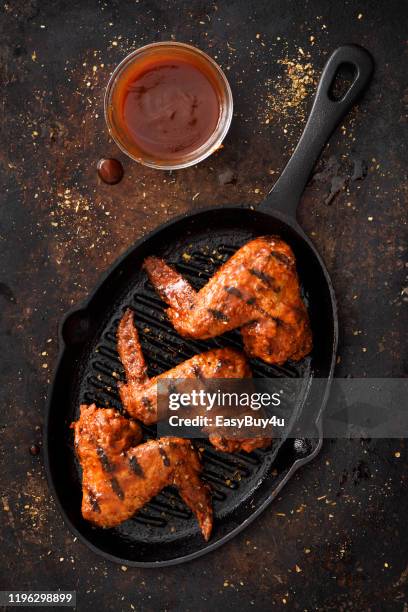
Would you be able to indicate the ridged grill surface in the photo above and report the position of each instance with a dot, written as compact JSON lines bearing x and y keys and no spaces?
{"x":232,"y":477}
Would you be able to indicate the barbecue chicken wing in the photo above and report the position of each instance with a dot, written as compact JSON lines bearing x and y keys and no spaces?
{"x":139,"y":393}
{"x":257,"y":290}
{"x":119,"y":478}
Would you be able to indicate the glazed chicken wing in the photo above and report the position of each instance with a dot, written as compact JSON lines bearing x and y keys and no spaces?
{"x":119,"y":478}
{"x":256,"y":290}
{"x":139,"y":393}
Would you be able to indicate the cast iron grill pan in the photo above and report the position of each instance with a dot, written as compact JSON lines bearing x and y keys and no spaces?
{"x":165,"y":532}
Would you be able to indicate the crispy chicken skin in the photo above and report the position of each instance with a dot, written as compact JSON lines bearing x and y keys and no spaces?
{"x":257,"y":290}
{"x":119,"y":478}
{"x":139,"y":393}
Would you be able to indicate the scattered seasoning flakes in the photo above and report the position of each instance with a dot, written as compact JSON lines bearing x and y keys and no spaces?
{"x":289,"y":92}
{"x":397,"y":454}
{"x":298,"y":569}
{"x":360,"y":16}
{"x":123,"y":568}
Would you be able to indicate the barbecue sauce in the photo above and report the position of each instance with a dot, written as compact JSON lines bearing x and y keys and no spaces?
{"x":168,"y":106}
{"x":110,"y":170}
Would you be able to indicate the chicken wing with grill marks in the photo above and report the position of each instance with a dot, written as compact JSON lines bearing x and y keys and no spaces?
{"x":119,"y":478}
{"x":139,"y":393}
{"x":256,"y":290}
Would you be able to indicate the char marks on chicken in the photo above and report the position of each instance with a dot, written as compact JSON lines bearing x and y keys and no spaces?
{"x":139,"y":394}
{"x":120,"y":475}
{"x":257,"y":290}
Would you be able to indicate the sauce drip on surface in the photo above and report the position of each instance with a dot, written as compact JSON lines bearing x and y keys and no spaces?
{"x":34,"y":450}
{"x":110,"y":170}
{"x":169,"y":107}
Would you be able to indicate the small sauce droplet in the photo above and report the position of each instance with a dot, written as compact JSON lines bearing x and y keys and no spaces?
{"x":34,"y":450}
{"x":110,"y":170}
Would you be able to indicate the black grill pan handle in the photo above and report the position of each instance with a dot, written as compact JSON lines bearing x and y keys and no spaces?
{"x":326,"y":114}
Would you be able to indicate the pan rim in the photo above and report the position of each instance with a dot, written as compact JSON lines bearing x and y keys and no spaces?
{"x":85,"y":304}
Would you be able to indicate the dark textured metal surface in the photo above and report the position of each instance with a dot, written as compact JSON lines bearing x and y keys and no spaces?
{"x":337,"y":537}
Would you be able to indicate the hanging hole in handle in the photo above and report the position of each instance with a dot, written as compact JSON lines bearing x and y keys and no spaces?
{"x":345,"y":76}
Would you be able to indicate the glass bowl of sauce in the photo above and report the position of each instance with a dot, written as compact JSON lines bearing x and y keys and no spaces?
{"x":168,"y":105}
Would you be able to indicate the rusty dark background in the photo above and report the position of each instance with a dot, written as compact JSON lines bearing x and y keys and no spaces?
{"x":336,"y":539}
